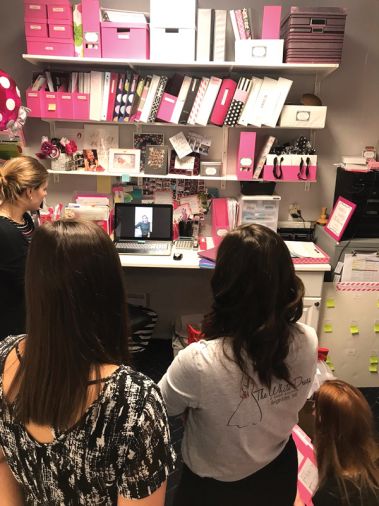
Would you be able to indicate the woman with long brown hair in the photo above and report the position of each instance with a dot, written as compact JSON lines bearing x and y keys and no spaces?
{"x":244,"y":384}
{"x":23,"y":186}
{"x":346,"y":450}
{"x":77,"y":425}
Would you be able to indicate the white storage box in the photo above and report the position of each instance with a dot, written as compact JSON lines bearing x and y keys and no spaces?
{"x":261,"y":209}
{"x":173,"y":13}
{"x":259,"y":51}
{"x":172,"y":44}
{"x":307,"y":116}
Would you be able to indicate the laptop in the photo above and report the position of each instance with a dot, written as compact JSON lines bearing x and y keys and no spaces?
{"x":143,"y":229}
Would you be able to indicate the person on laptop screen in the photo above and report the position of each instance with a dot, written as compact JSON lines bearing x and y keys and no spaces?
{"x":144,"y":227}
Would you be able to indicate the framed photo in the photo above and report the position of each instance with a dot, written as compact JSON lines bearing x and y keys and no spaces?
{"x":187,"y":166}
{"x":156,"y":160}
{"x":140,"y":141}
{"x":90,"y":160}
{"x":339,"y":218}
{"x":124,"y":161}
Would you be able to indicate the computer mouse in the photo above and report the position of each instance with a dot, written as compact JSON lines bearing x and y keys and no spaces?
{"x":177,"y":256}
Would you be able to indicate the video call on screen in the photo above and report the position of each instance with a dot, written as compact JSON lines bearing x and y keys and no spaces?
{"x":128,"y":217}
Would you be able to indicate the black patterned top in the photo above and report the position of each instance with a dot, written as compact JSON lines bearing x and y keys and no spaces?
{"x":120,"y":446}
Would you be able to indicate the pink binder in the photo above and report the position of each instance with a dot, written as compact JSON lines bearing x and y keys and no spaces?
{"x":307,"y":468}
{"x":91,"y":28}
{"x":220,"y":219}
{"x":223,"y":100}
{"x":271,"y":21}
{"x":245,"y":159}
{"x":166,"y":107}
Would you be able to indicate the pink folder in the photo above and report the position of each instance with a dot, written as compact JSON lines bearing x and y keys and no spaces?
{"x":245,"y":158}
{"x":223,"y":100}
{"x":220,"y":219}
{"x":307,"y":467}
{"x":271,"y":21}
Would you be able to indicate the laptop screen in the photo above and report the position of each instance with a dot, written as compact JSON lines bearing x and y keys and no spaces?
{"x":143,"y":222}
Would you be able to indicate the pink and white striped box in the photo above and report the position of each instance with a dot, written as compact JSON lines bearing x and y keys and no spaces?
{"x":56,"y":47}
{"x":35,"y":10}
{"x":61,"y":30}
{"x":125,"y":40}
{"x":36,"y":28}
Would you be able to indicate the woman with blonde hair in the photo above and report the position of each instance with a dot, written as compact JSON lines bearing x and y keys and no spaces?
{"x":346,"y":450}
{"x":23,"y":186}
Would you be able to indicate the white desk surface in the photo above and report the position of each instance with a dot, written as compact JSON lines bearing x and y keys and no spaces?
{"x":190,"y":260}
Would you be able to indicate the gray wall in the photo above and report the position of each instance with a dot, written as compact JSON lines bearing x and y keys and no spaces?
{"x":351,"y":95}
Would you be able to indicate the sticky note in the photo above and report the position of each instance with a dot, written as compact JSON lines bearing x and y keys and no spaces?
{"x":374,"y":360}
{"x":104,"y":184}
{"x":373,"y":368}
{"x":354,"y":329}
{"x":376,"y":327}
{"x":125,"y":178}
{"x":328,"y":327}
{"x":330,"y":303}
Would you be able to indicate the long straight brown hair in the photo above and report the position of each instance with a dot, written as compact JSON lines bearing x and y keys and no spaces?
{"x":76,"y":320}
{"x":257,"y":298}
{"x":344,"y":439}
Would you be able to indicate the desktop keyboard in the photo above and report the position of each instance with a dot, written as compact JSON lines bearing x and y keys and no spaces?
{"x":144,"y":248}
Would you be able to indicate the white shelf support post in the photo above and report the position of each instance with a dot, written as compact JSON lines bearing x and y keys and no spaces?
{"x":224,"y":155}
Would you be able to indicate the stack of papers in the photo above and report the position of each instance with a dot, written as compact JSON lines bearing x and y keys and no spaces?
{"x":306,"y":253}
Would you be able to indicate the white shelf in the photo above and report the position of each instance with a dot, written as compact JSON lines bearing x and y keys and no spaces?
{"x":321,"y":69}
{"x":167,"y":125}
{"x":142,"y":175}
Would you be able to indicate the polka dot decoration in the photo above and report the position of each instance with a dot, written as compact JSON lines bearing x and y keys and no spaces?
{"x":10,"y":100}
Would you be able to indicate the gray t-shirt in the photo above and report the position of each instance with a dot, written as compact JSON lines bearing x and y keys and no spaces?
{"x":236,"y":426}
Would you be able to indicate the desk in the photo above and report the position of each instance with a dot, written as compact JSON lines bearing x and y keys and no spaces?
{"x":174,"y":287}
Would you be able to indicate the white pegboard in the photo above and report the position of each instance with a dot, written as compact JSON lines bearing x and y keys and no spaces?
{"x":347,"y":327}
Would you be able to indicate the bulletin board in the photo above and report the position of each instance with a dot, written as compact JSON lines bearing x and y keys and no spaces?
{"x":349,"y":327}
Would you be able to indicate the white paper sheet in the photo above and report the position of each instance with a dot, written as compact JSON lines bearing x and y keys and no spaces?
{"x":361,"y":267}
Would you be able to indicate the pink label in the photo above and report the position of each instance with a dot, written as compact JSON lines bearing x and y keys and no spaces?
{"x":35,"y":27}
{"x":33,"y":7}
{"x":57,"y":9}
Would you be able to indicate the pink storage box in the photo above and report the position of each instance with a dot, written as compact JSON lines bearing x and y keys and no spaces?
{"x":125,"y":40}
{"x":166,"y":107}
{"x":35,"y":10}
{"x":33,"y":102}
{"x":65,"y":105}
{"x":245,"y":158}
{"x":54,"y":47}
{"x":290,"y":168}
{"x":61,"y":30}
{"x":36,"y":28}
{"x":59,"y":10}
{"x":81,"y":105}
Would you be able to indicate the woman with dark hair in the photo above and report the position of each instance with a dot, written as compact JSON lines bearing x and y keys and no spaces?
{"x":346,"y":450}
{"x":23,"y":186}
{"x":244,"y":384}
{"x":77,"y":425}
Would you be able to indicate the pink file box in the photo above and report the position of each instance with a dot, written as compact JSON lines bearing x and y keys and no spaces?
{"x":36,"y":28}
{"x":61,"y":30}
{"x":49,"y":104}
{"x":35,"y":10}
{"x":53,"y":47}
{"x":271,"y":21}
{"x":290,"y":168}
{"x":91,"y":28}
{"x":33,"y":102}
{"x":59,"y":10}
{"x":65,"y":105}
{"x":125,"y":40}
{"x":220,"y":219}
{"x":166,"y":107}
{"x":81,"y":105}
{"x":223,"y":100}
{"x":245,"y":159}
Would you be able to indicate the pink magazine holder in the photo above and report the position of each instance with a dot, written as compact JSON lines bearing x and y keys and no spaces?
{"x":220,"y":219}
{"x":81,"y":105}
{"x":33,"y":102}
{"x":271,"y":21}
{"x":166,"y":107}
{"x":49,"y":104}
{"x":125,"y":40}
{"x":245,"y":159}
{"x":91,"y":28}
{"x":65,"y":106}
{"x":223,"y":101}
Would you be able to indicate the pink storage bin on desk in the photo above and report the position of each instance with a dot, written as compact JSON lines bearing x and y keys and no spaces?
{"x":81,"y":105}
{"x":52,"y":47}
{"x":35,"y":10}
{"x":36,"y":28}
{"x":125,"y":40}
{"x":33,"y":102}
{"x":61,"y":30}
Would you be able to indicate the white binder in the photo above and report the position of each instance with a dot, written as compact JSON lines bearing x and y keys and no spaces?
{"x":203,"y":38}
{"x":219,"y":35}
{"x":208,"y":101}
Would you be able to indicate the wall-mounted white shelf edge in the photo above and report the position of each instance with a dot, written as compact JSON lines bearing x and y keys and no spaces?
{"x":319,"y":69}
